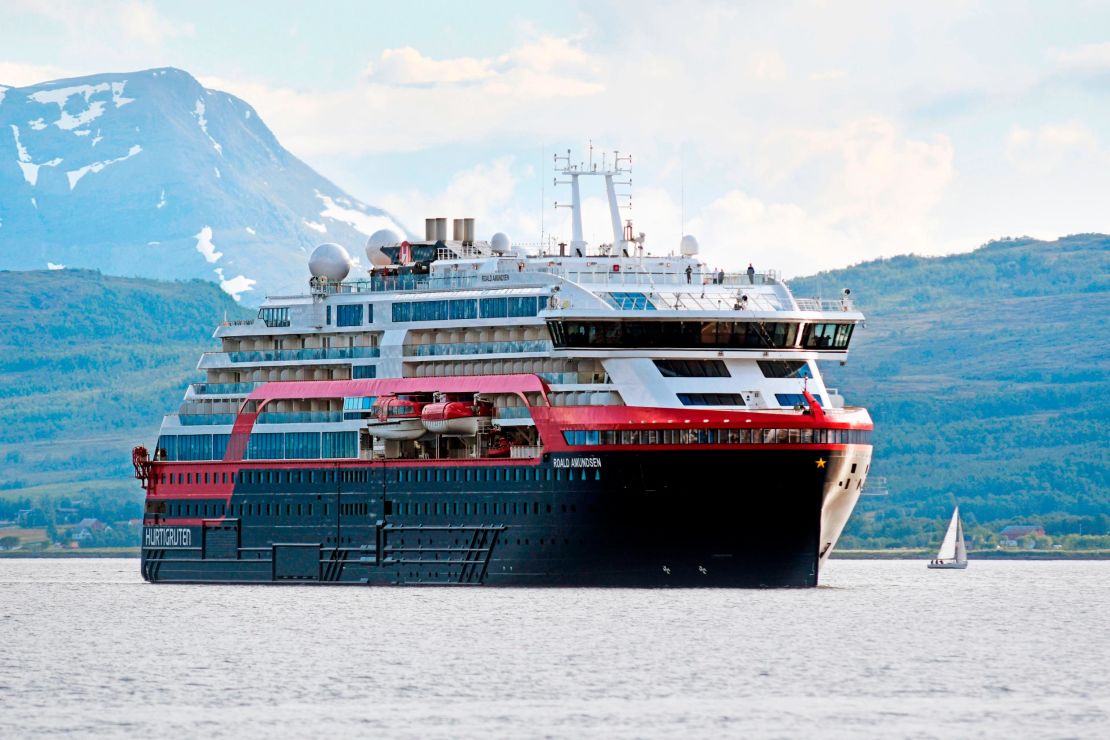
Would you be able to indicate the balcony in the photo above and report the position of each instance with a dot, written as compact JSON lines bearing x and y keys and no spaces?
{"x":299,"y":417}
{"x":223,"y":389}
{"x":188,"y":420}
{"x":223,"y":359}
{"x":532,"y":346}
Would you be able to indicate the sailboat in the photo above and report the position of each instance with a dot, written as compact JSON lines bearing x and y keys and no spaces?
{"x":953,"y":551}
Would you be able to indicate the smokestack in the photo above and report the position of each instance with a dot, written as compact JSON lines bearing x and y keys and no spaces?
{"x":441,"y":229}
{"x":468,"y":230}
{"x":457,"y":230}
{"x":429,"y":229}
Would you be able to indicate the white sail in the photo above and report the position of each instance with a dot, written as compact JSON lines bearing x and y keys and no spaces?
{"x":948,"y":547}
{"x":961,"y":546}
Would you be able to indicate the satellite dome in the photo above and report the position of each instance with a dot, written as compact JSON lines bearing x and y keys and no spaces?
{"x":330,"y":261}
{"x":381,"y":238}
{"x":689,"y":245}
{"x":500,"y":243}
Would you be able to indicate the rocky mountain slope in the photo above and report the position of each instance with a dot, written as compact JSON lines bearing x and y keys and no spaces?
{"x":150,"y":174}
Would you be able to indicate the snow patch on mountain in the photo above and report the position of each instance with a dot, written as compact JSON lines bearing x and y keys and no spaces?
{"x":30,"y":169}
{"x":205,"y":245}
{"x":250,"y":231}
{"x":54,"y":266}
{"x":60,"y":97}
{"x":361,"y":222}
{"x":76,"y":175}
{"x":161,"y":200}
{"x":38,"y":124}
{"x":315,"y":225}
{"x":117,"y":94}
{"x":198,"y":113}
{"x":236,"y":286}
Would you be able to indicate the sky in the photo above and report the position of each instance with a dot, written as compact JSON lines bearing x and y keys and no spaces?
{"x":798,"y":136}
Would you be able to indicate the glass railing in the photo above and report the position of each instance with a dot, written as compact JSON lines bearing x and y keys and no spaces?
{"x":223,"y":389}
{"x":477,"y":348}
{"x":299,"y":417}
{"x":514,"y":412}
{"x":560,"y":378}
{"x":188,"y":420}
{"x":295,"y":355}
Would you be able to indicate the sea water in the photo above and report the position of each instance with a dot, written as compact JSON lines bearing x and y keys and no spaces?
{"x":882,"y":649}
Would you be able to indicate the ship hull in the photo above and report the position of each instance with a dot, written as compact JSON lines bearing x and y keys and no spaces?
{"x":723,"y":518}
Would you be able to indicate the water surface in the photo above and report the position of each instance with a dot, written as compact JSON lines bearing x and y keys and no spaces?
{"x":882,"y":649}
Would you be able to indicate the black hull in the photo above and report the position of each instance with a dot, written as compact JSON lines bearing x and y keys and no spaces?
{"x":675,"y":519}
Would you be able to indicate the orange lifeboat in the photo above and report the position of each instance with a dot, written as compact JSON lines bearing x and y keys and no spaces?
{"x":461,"y":418}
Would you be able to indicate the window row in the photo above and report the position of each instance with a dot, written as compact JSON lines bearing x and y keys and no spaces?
{"x":630,"y":334}
{"x":350,"y":314}
{"x":797,"y":399}
{"x":692,"y":368}
{"x":359,"y":372}
{"x":514,"y":307}
{"x":274,"y":316}
{"x":467,"y":508}
{"x":745,"y":436}
{"x":262,"y":446}
{"x":710,"y":399}
{"x":484,"y":474}
{"x":785,"y":369}
{"x":452,"y":310}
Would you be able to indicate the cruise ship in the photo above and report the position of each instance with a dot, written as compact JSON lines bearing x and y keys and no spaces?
{"x":469,"y":412}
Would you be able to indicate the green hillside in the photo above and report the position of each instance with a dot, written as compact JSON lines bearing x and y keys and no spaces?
{"x":89,"y":365}
{"x":985,"y":373}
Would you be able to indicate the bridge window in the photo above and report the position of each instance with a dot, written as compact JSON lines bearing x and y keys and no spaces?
{"x":672,"y":334}
{"x":827,"y":336}
{"x":692,"y":368}
{"x":274,"y":316}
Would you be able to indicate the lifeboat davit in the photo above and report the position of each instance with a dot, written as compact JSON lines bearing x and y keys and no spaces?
{"x":397,"y":418}
{"x":461,"y":418}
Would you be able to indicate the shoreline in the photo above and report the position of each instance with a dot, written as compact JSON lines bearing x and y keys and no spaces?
{"x":898,"y":554}
{"x":912,"y":554}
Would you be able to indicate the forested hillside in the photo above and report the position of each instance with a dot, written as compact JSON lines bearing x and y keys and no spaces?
{"x":89,"y":364}
{"x":987,"y":374}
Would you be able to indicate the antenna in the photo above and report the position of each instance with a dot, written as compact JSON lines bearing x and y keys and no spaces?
{"x":543,"y":175}
{"x":682,"y":186}
{"x":609,"y":170}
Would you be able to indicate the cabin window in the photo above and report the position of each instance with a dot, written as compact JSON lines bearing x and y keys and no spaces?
{"x":349,"y":314}
{"x":785,"y":369}
{"x":711,"y":399}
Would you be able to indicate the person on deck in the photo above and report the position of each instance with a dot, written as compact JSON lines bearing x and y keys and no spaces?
{"x":689,"y":273}
{"x":751,"y":274}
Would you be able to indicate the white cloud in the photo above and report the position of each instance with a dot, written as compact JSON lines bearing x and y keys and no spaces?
{"x":407,"y":66}
{"x":1083,"y":57}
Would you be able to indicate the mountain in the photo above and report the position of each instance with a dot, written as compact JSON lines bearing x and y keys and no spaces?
{"x":89,"y":364}
{"x":150,"y":174}
{"x":985,"y":373}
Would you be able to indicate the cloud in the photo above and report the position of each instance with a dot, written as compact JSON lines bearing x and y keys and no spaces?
{"x":17,"y":74}
{"x":483,"y":192}
{"x":1084,"y":57}
{"x":407,"y":66}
